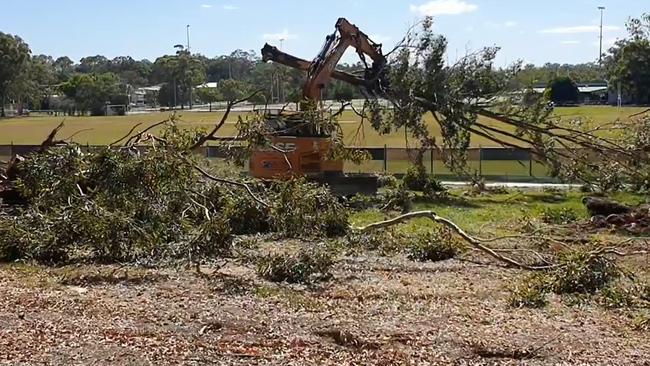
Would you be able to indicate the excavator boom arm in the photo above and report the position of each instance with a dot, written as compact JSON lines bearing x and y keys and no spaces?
{"x":323,"y":68}
{"x":272,"y":53}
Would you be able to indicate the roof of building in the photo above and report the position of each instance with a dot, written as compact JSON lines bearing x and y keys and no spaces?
{"x":153,"y":88}
{"x":582,"y":89}
{"x":211,"y":85}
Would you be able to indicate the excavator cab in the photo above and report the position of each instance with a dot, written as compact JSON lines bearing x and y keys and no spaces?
{"x":302,"y":148}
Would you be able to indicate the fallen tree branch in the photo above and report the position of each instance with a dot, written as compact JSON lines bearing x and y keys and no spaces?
{"x":211,"y":135}
{"x":231,"y":182}
{"x":69,"y":138}
{"x":49,"y":141}
{"x":136,"y":138}
{"x":474,"y":242}
{"x":640,"y":113}
{"x":125,"y":136}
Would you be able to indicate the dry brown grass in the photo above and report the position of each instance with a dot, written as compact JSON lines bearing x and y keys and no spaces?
{"x":375,"y":310}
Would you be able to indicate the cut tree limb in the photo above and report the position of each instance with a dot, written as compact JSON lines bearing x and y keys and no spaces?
{"x":474,"y":242}
{"x":136,"y":138}
{"x":211,"y":135}
{"x":125,"y":136}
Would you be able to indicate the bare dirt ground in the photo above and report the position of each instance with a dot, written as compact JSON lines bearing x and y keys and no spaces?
{"x":374,"y":311}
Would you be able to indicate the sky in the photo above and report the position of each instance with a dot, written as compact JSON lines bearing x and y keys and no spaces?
{"x":563,"y":31}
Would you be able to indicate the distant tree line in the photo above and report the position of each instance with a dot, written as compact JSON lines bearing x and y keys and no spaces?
{"x":29,"y":81}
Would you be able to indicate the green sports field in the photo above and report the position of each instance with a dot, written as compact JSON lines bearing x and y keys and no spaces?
{"x":103,"y":130}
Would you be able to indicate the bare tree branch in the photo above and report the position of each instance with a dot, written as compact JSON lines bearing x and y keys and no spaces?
{"x":231,"y":182}
{"x":224,"y":118}
{"x":474,"y":242}
{"x":125,"y":136}
{"x":76,"y":133}
{"x":49,"y":141}
{"x":136,"y":138}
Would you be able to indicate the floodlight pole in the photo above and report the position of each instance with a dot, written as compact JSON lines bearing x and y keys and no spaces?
{"x":188,"y":38}
{"x":189,"y":54}
{"x":600,"y":53}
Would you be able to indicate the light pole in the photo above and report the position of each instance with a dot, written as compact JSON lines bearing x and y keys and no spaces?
{"x":179,"y":48}
{"x":188,"y":37}
{"x":600,"y":53}
{"x":189,"y":54}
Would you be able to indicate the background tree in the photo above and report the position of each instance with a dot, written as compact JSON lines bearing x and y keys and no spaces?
{"x":208,"y":95}
{"x":562,"y":90}
{"x":64,"y":68}
{"x":182,"y":70}
{"x":93,"y":64}
{"x":628,"y":61}
{"x":92,"y":92}
{"x":14,"y":61}
{"x":166,"y":96}
{"x":232,"y":90}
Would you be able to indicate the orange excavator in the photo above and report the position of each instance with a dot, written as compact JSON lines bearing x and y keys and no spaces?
{"x":301,"y":148}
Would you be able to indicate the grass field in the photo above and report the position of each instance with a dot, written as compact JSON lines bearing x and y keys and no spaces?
{"x":103,"y":130}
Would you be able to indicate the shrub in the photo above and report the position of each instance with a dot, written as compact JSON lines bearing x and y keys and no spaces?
{"x":213,"y":238}
{"x":397,"y":198}
{"x":583,"y":273}
{"x":306,"y":266}
{"x":559,"y":215}
{"x":245,"y":215}
{"x":617,"y":297}
{"x":417,"y":179}
{"x":437,"y":245}
{"x":642,"y":322}
{"x":386,"y":242}
{"x":531,"y":292}
{"x":303,"y":209}
{"x":361,"y":202}
{"x":387,"y":181}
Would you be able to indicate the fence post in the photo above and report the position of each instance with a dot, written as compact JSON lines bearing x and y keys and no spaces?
{"x":530,"y":166}
{"x":385,"y":158}
{"x":480,"y":161}
{"x":431,"y":154}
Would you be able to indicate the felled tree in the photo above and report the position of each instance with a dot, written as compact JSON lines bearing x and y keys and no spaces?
{"x":472,"y":98}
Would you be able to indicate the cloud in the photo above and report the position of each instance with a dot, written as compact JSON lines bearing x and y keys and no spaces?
{"x":469,"y":28}
{"x":285,"y":35}
{"x":379,"y":38}
{"x":570,"y":42}
{"x":206,"y":6}
{"x":444,"y":7}
{"x":508,"y":24}
{"x":230,"y":7}
{"x":579,"y":29}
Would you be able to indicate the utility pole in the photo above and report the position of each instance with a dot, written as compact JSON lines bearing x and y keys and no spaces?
{"x":189,"y":54}
{"x":600,"y":53}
